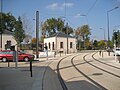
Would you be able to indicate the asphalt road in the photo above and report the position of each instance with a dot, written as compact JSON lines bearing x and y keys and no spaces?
{"x":79,"y":71}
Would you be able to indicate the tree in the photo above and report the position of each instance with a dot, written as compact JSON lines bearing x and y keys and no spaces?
{"x":64,"y":30}
{"x":53,"y":25}
{"x":7,"y":22}
{"x":95,"y":44}
{"x":116,"y":36}
{"x":83,"y":33}
{"x":118,"y":41}
{"x":102,"y":44}
{"x":33,"y":41}
{"x":19,"y":33}
{"x":42,"y":39}
{"x":88,"y":44}
{"x":27,"y":27}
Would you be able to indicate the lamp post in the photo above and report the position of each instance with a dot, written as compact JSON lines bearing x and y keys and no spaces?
{"x":1,"y":25}
{"x":37,"y":33}
{"x":67,"y":37}
{"x":108,"y":20}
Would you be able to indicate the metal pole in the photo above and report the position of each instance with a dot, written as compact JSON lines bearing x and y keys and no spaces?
{"x":108,"y":20}
{"x":16,"y":58}
{"x":104,"y":33}
{"x":31,"y":68}
{"x":108,"y":24}
{"x":1,"y":24}
{"x":56,"y":44}
{"x":67,"y":37}
{"x":37,"y":33}
{"x":115,"y":49}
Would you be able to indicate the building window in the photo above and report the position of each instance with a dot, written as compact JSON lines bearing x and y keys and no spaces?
{"x":8,"y":44}
{"x":61,"y":44}
{"x":70,"y":44}
{"x":53,"y":47}
{"x":49,"y":45}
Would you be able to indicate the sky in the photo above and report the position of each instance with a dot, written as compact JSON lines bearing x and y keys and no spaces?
{"x":75,"y":12}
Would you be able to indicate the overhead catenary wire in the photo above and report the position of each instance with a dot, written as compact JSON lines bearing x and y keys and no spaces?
{"x":89,"y":10}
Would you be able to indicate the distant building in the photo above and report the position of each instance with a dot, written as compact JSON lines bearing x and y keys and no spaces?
{"x":58,"y":42}
{"x":7,"y":40}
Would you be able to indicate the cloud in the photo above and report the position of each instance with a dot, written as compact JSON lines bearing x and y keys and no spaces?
{"x":77,"y":15}
{"x":56,"y":6}
{"x":53,"y":6}
{"x":67,"y":4}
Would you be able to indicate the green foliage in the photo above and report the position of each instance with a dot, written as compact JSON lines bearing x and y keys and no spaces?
{"x":51,"y":26}
{"x":102,"y":44}
{"x":19,"y":33}
{"x":83,"y":33}
{"x":42,"y":39}
{"x":70,"y":30}
{"x":33,"y":41}
{"x":95,"y":44}
{"x":7,"y":22}
{"x":117,"y":38}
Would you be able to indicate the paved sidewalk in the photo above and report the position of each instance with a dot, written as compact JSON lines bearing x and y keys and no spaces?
{"x":12,"y":78}
{"x":108,"y":59}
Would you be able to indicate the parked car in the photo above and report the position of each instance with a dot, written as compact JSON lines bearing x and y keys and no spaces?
{"x":8,"y":55}
{"x":117,"y":51}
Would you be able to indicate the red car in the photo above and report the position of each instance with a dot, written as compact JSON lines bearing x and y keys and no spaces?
{"x":8,"y":55}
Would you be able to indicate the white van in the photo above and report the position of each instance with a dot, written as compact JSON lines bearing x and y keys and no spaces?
{"x":117,"y":51}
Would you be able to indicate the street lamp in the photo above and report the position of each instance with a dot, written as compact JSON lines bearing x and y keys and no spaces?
{"x":37,"y":33}
{"x":1,"y":25}
{"x":108,"y":20}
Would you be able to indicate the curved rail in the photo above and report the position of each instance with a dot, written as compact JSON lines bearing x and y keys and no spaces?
{"x":104,"y":62}
{"x":101,"y":68}
{"x":100,"y":86}
{"x":59,"y":75}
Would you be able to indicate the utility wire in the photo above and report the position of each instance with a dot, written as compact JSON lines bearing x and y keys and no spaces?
{"x":91,"y":7}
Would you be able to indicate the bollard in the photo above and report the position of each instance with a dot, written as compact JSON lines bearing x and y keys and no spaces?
{"x":8,"y":63}
{"x":60,"y":53}
{"x":108,"y":53}
{"x":31,"y":68}
{"x":102,"y":54}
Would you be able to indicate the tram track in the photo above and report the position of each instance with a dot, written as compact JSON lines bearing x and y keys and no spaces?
{"x":104,"y":62}
{"x":100,"y":68}
{"x":59,"y":74}
{"x":85,"y":75}
{"x":75,"y":65}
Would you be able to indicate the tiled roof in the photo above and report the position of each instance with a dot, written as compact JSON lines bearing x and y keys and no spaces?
{"x":60,"y":34}
{"x":8,"y":32}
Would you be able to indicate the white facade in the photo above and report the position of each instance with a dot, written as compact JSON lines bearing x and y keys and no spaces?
{"x":60,"y":44}
{"x":5,"y":38}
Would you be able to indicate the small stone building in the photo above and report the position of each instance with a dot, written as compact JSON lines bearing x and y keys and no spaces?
{"x":7,"y":40}
{"x":58,"y":43}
